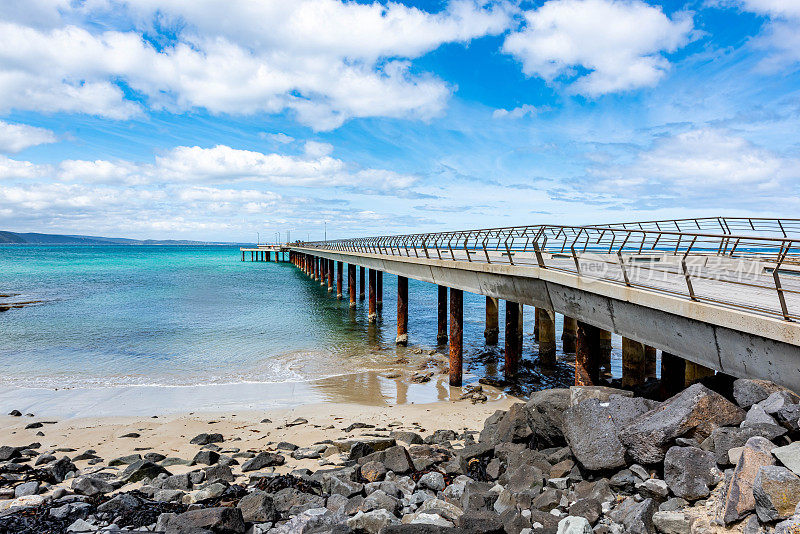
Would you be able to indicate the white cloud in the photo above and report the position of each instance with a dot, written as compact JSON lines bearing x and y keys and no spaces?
{"x":516,"y":113}
{"x":704,"y":167}
{"x":315,"y":149}
{"x":326,"y":60}
{"x":620,"y":42}
{"x":17,"y":137}
{"x":781,"y":34}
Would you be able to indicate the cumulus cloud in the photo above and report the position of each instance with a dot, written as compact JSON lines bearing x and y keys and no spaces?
{"x":701,"y":167}
{"x":17,"y":137}
{"x":325,"y":60}
{"x":781,"y":34}
{"x":621,"y":43}
{"x":515,"y":113}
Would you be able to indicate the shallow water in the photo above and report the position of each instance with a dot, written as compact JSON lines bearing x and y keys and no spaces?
{"x":194,"y":315}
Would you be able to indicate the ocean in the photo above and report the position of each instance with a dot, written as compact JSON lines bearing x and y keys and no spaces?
{"x":114,"y":315}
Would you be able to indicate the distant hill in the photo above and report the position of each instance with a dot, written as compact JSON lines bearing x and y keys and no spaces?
{"x":56,"y":239}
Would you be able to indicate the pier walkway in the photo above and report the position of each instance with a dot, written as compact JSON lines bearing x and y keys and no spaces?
{"x":714,"y":294}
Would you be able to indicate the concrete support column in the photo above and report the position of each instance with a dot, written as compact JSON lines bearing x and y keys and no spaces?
{"x":267,"y":254}
{"x":322,"y":271}
{"x":379,"y":287}
{"x":330,"y":276}
{"x":633,"y":363}
{"x":673,"y":374}
{"x":650,"y":361}
{"x":569,"y":335}
{"x":441,"y":316}
{"x":251,"y":255}
{"x":361,"y":282}
{"x":351,"y":283}
{"x":492,"y":329}
{"x":605,"y":351}
{"x":587,"y":355}
{"x":456,"y":335}
{"x":696,"y":372}
{"x":547,"y":336}
{"x":512,"y":354}
{"x":536,"y":325}
{"x":339,"y":277}
{"x":402,"y":311}
{"x":372,"y":297}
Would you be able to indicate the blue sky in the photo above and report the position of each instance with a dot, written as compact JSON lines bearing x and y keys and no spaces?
{"x":215,"y":120}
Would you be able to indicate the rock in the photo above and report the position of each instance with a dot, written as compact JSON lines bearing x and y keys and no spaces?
{"x":372,"y":522}
{"x":694,"y":412}
{"x":349,"y":428}
{"x":636,"y":517}
{"x":579,"y":394}
{"x":480,"y":521}
{"x":790,"y":526}
{"x":674,"y":522}
{"x":89,"y":486}
{"x":757,"y":416}
{"x":724,"y":439}
{"x":9,"y":453}
{"x":79,"y":525}
{"x":574,"y":525}
{"x":125,"y":460}
{"x":379,"y":499}
{"x":262,"y":460}
{"x":206,"y":439}
{"x":433,"y":481}
{"x":410,"y":438}
{"x":653,"y":488}
{"x":748,"y":391}
{"x":513,"y":426}
{"x":58,"y":470}
{"x":592,"y":436}
{"x":591,"y":509}
{"x":142,"y":469}
{"x":545,"y":410}
{"x":154,"y":457}
{"x":26,"y":488}
{"x":373,"y":471}
{"x":120,"y":503}
{"x":205,"y":458}
{"x":789,"y":456}
{"x":211,"y":491}
{"x":690,"y":472}
{"x":738,"y":499}
{"x":776,"y":491}
{"x":15,"y":413}
{"x":343,"y":486}
{"x":218,"y":520}
{"x":298,"y":421}
{"x":395,"y":459}
{"x":217,"y":473}
{"x":168,"y":495}
{"x":257,"y":507}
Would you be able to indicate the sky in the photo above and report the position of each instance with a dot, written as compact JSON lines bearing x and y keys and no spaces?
{"x":240,"y":119}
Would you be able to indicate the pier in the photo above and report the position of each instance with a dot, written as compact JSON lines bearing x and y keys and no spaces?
{"x":279,"y":253}
{"x":714,"y":295}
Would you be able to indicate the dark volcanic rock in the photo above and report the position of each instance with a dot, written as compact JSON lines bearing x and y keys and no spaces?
{"x":738,"y":499}
{"x":262,"y":460}
{"x":546,"y":416}
{"x":776,"y":491}
{"x":142,"y":469}
{"x":257,"y":507}
{"x":749,"y":391}
{"x":205,"y":439}
{"x":694,"y":412}
{"x":513,"y":427}
{"x":637,"y":518}
{"x":690,"y":472}
{"x":592,"y":436}
{"x":206,"y":458}
{"x":221,"y":520}
{"x":8,"y":453}
{"x":89,"y":486}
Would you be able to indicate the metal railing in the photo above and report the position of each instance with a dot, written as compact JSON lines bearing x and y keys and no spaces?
{"x":752,"y":272}
{"x":726,"y":225}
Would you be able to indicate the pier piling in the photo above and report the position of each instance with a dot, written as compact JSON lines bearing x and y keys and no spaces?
{"x":379,"y":288}
{"x":569,"y":335}
{"x":650,"y":361}
{"x":547,"y":336}
{"x":512,"y":352}
{"x":361,"y":282}
{"x":492,"y":329}
{"x":456,"y":336}
{"x":330,"y":276}
{"x":372,"y":297}
{"x":587,"y":355}
{"x":441,"y":316}
{"x":351,"y":284}
{"x":605,"y":351}
{"x":696,"y":372}
{"x":339,"y":276}
{"x":402,"y":311}
{"x":633,"y":363}
{"x":673,"y":374}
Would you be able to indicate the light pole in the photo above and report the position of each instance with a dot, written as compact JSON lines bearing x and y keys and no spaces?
{"x":258,"y":240}
{"x":326,"y":231}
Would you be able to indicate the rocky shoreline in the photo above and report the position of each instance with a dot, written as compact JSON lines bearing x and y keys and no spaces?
{"x":568,"y":461}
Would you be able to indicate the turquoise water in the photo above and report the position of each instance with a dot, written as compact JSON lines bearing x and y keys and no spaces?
{"x":185,"y":315}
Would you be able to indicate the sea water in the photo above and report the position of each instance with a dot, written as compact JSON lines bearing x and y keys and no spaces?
{"x":115,"y":315}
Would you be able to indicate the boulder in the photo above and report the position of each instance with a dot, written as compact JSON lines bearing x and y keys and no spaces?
{"x":694,"y":412}
{"x":480,"y":521}
{"x":410,"y":438}
{"x":723,"y":439}
{"x":206,"y":458}
{"x":592,"y":436}
{"x":636,"y":517}
{"x":142,"y":469}
{"x":257,"y":507}
{"x":690,"y":472}
{"x":789,"y":456}
{"x":574,"y":525}
{"x":433,"y":481}
{"x":578,"y":394}
{"x":749,"y":391}
{"x":206,"y":439}
{"x":513,"y":427}
{"x":546,"y":416}
{"x":221,"y":520}
{"x":26,"y":488}
{"x":372,"y":522}
{"x":673,"y":522}
{"x":262,"y":460}
{"x":89,"y":486}
{"x":591,"y":509}
{"x":738,"y":500}
{"x":776,"y":491}
{"x":373,"y":471}
{"x":9,"y":453}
